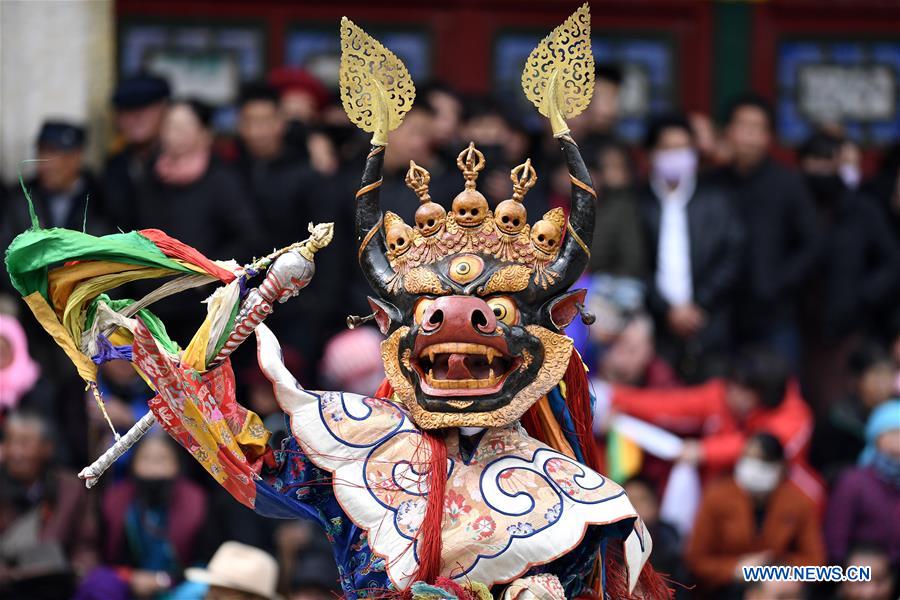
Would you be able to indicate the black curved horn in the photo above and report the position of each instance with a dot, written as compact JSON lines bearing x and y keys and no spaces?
{"x":575,"y":252}
{"x":370,"y":233}
{"x":369,"y":230}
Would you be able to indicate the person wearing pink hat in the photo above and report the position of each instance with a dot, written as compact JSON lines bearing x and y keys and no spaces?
{"x":18,"y":371}
{"x":352,"y":361}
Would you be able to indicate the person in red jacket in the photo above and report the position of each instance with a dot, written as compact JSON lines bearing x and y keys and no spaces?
{"x":758,"y":395}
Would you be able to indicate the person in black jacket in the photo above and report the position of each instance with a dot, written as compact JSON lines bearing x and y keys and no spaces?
{"x":694,"y":244}
{"x":286,"y":194}
{"x":859,"y":274}
{"x":64,"y":194}
{"x":197,"y":199}
{"x":782,"y":234}
{"x":139,"y":103}
{"x":63,"y":191}
{"x":281,"y":184}
{"x":192,"y":195}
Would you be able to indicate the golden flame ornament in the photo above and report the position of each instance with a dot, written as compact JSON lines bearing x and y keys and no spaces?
{"x":376,"y":89}
{"x":559,"y":74}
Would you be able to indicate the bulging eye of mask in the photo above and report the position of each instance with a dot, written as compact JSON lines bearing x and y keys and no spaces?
{"x":756,"y":476}
{"x":672,"y":166}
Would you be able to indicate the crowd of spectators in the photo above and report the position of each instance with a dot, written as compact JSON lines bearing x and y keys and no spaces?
{"x":746,"y":304}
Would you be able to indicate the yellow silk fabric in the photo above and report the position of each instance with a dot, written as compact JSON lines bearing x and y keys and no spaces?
{"x":49,"y":321}
{"x":556,"y":439}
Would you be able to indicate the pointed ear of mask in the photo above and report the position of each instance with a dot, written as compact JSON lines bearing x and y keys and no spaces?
{"x":564,"y":308}
{"x":386,"y":315}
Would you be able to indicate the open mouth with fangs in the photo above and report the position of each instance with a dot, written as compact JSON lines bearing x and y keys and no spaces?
{"x":462,"y":369}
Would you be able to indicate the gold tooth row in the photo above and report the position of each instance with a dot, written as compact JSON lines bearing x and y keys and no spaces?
{"x":458,"y":384}
{"x":461,"y":348}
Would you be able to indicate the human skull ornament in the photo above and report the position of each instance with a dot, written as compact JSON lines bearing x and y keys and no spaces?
{"x":399,"y":238}
{"x":510,"y":216}
{"x":545,"y":236}
{"x":430,"y":218}
{"x":470,"y":208}
{"x":472,"y":341}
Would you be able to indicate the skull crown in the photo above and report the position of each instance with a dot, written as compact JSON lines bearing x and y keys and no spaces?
{"x":470,"y":225}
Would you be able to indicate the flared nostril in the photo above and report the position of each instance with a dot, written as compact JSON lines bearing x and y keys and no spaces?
{"x":435,"y":319}
{"x":479,"y":319}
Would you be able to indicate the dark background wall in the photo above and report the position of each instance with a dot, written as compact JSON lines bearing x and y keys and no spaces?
{"x":688,"y":54}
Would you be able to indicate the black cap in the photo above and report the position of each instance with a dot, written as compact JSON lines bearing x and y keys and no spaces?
{"x":61,"y":135}
{"x":140,"y":91}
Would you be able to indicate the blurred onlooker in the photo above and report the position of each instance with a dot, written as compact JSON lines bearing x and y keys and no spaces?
{"x":596,"y":126}
{"x":893,"y":347}
{"x":302,"y":100}
{"x":666,"y":556}
{"x":153,"y":520}
{"x":303,"y":96}
{"x":618,"y":247}
{"x":850,"y":164}
{"x":285,"y":193}
{"x":125,"y":397}
{"x":757,"y":517}
{"x":238,"y":572}
{"x":139,"y":103}
{"x":865,"y":503}
{"x":882,"y":583}
{"x":839,"y":436}
{"x":504,"y":144}
{"x":18,"y":371}
{"x":197,"y":199}
{"x":775,"y":590}
{"x":190,"y":187}
{"x":779,"y":222}
{"x":631,"y":359}
{"x":857,"y":277}
{"x":47,"y":529}
{"x":314,"y":576}
{"x":412,"y":141}
{"x":885,"y":187}
{"x":694,"y":243}
{"x":447,"y":123}
{"x":712,"y":149}
{"x":283,"y":189}
{"x":758,"y":395}
{"x":64,"y":192}
{"x":352,"y":361}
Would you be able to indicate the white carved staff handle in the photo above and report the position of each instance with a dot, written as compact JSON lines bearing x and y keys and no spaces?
{"x":291,"y":272}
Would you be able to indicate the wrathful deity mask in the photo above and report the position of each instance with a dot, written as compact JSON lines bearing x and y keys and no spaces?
{"x":474,"y":302}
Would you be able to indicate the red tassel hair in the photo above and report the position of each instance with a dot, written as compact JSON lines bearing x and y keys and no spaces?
{"x":429,"y":543}
{"x":578,"y":399}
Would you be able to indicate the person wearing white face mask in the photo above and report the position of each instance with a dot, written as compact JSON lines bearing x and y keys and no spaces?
{"x":695,"y":247}
{"x":850,"y":164}
{"x":756,"y":517}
